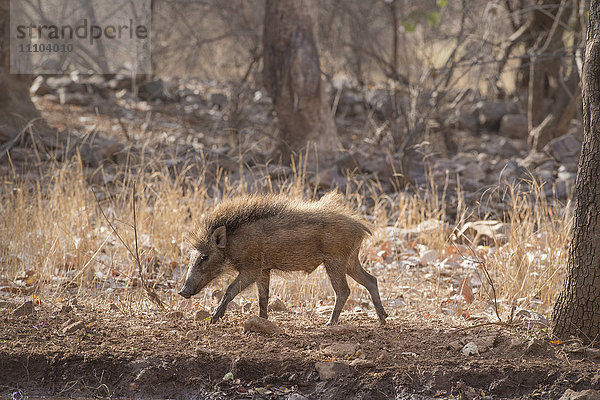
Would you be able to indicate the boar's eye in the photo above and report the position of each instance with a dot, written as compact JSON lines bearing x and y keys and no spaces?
{"x":203,"y":257}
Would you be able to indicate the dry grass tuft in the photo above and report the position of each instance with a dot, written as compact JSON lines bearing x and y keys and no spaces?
{"x":58,"y":245}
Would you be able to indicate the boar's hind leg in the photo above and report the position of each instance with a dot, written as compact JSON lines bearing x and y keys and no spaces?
{"x":356,"y":272}
{"x":337,"y":275}
{"x":263,"y":291}
{"x":241,"y":282}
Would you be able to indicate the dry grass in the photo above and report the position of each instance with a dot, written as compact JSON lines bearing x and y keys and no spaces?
{"x":53,"y":227}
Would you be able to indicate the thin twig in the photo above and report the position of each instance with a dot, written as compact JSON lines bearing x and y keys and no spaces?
{"x":486,"y":273}
{"x":149,"y":291}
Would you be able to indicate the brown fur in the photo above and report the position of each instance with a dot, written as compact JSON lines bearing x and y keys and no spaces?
{"x":258,"y":233}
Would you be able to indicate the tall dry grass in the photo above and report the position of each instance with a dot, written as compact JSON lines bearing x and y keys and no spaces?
{"x":57,"y":245}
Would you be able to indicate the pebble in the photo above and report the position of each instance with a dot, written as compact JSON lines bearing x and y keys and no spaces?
{"x":260,"y":325}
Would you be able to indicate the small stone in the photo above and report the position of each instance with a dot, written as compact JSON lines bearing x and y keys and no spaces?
{"x":332,"y":369}
{"x":429,"y":256}
{"x":24,"y":309}
{"x":260,"y":325}
{"x":228,"y":377}
{"x":233,"y":306}
{"x":201,"y":315}
{"x":114,"y":307}
{"x":341,"y":329}
{"x":362,"y":363}
{"x":589,"y":394}
{"x":340,"y":349}
{"x":175,"y":314}
{"x":297,"y":396}
{"x":277,"y":305}
{"x":72,"y":327}
{"x":470,"y":349}
{"x":65,"y":308}
{"x":485,"y":232}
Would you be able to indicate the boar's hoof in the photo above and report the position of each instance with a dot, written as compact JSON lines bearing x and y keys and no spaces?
{"x":217,"y":315}
{"x":186,"y":295}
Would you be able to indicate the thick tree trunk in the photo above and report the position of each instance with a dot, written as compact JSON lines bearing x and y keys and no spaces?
{"x":16,"y":108}
{"x":577,"y":309}
{"x":292,"y":76}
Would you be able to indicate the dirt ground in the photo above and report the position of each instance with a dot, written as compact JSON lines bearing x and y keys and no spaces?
{"x":92,"y":351}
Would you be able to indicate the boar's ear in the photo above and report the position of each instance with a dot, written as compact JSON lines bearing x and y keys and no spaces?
{"x":220,"y":237}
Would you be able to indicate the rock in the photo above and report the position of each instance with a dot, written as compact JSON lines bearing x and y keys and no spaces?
{"x":332,"y":369}
{"x":193,"y":99}
{"x":490,"y":113}
{"x":72,"y":327}
{"x":340,"y":329}
{"x":26,"y":308}
{"x":201,"y":315}
{"x":362,"y":363}
{"x":277,"y":305}
{"x":39,"y":87}
{"x":466,"y":121}
{"x":55,"y":83}
{"x":232,"y":306}
{"x":470,"y":349}
{"x":340,"y":349}
{"x":485,"y":232}
{"x":589,"y":394}
{"x":514,"y":126}
{"x":77,"y":99}
{"x":114,"y":307}
{"x":429,"y":256}
{"x":260,"y":325}
{"x":564,"y":149}
{"x":153,"y":90}
{"x":218,"y":100}
{"x":175,"y":314}
{"x":408,"y":234}
{"x":296,"y":396}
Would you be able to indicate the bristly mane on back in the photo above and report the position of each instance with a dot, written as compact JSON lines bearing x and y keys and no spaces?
{"x":240,"y":211}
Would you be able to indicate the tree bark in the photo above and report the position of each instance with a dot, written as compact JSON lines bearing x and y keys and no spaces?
{"x":577,"y":309}
{"x":292,"y":76}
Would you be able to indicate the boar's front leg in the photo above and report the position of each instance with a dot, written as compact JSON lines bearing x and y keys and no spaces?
{"x":241,"y":282}
{"x":263,"y":291}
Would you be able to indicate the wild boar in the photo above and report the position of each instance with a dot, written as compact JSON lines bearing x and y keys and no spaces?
{"x":255,"y":234}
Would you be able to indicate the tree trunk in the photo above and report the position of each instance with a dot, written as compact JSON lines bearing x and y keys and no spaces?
{"x":551,"y":102}
{"x":16,"y":108}
{"x":577,"y":309}
{"x":292,"y":76}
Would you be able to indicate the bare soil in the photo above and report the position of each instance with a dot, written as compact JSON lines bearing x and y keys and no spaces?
{"x":157,"y":354}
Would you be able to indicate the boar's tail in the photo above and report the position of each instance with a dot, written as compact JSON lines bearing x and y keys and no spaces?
{"x":336,"y":201}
